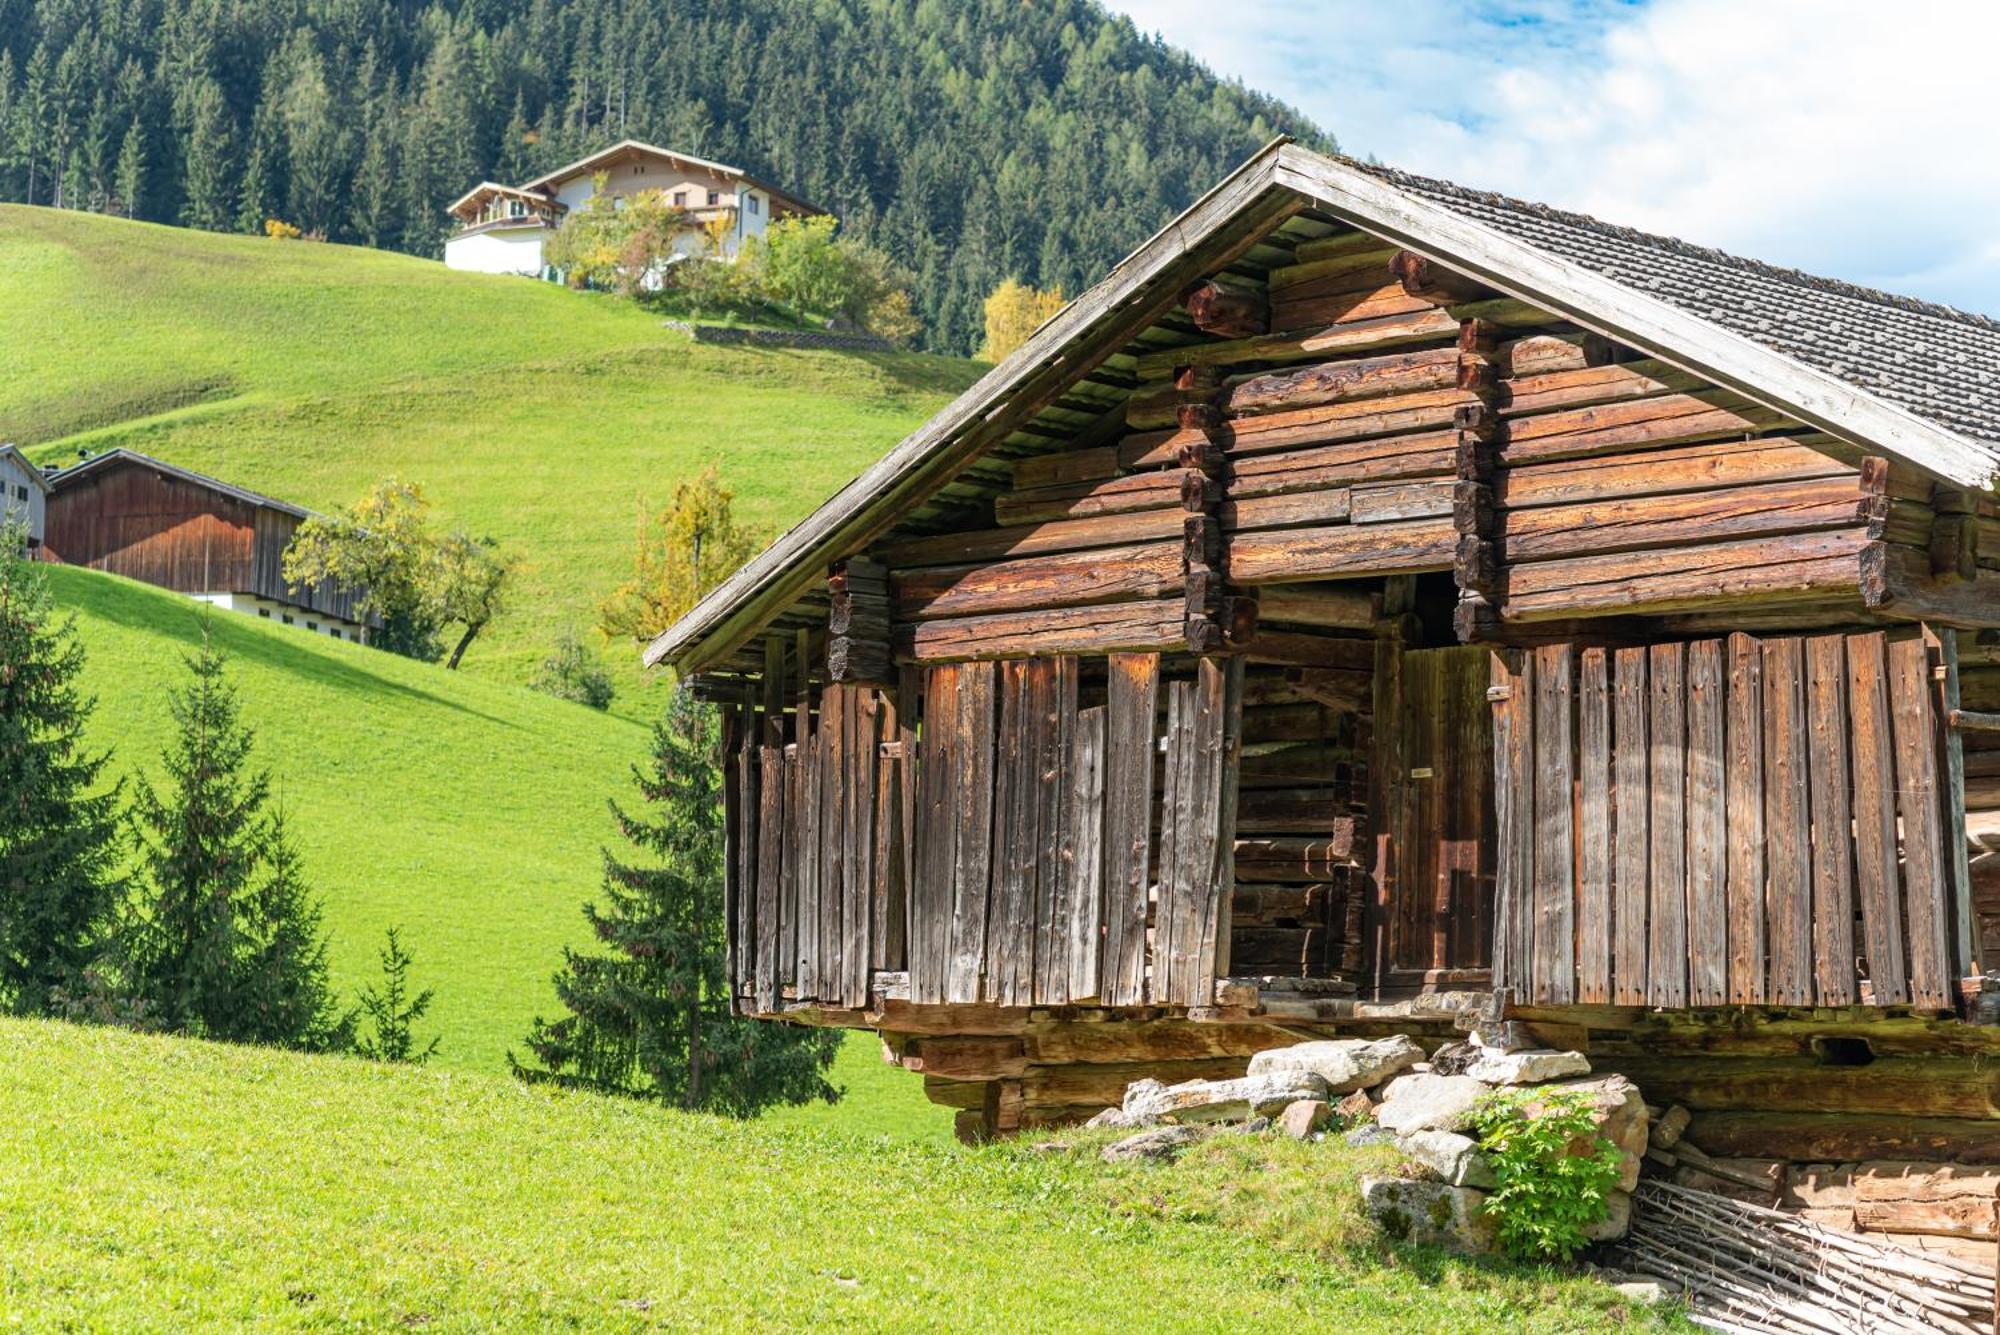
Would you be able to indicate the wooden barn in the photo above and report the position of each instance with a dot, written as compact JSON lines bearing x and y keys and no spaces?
{"x":1378,"y":606}
{"x":135,"y":516}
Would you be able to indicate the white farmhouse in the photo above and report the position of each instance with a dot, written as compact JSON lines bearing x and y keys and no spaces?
{"x":502,"y":227}
{"x":24,"y":495}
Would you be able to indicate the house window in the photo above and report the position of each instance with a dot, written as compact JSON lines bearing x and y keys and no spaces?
{"x":313,"y":626}
{"x":714,"y":198}
{"x":264,"y":612}
{"x":750,"y":202}
{"x":516,"y":209}
{"x":680,"y":199}
{"x":638,"y":169}
{"x":288,"y":618}
{"x":20,"y":491}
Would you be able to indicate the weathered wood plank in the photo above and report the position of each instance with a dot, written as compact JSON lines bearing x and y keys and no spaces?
{"x":863,"y":762}
{"x":972,"y":854}
{"x":1832,"y":821}
{"x":888,"y":910}
{"x":1010,"y":937}
{"x":1744,"y":787}
{"x":1707,"y":826}
{"x":1301,"y":345}
{"x":1131,"y":705}
{"x":1925,"y":886}
{"x":1111,"y":628}
{"x":1666,"y":908}
{"x":1962,"y":935}
{"x":1706,"y":467}
{"x":830,"y":758}
{"x":1288,"y":555}
{"x":1680,"y":518}
{"x":1219,"y":694}
{"x":1343,"y":380}
{"x":936,"y":838}
{"x":1809,"y":565}
{"x":1632,"y":762}
{"x":771,"y":846}
{"x":1173,"y":935}
{"x":1670,"y":419}
{"x":1054,"y":794}
{"x":1149,"y":570}
{"x":1878,"y":879}
{"x":1555,"y":836}
{"x":1514,"y":810}
{"x":1084,"y":851}
{"x":1575,"y":387}
{"x":1593,"y":834}
{"x":1787,"y":824}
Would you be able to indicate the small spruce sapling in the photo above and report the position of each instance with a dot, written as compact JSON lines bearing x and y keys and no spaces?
{"x":225,"y":941}
{"x":650,"y":1015}
{"x":393,"y":1013}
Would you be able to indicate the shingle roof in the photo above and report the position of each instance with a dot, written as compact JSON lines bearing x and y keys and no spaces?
{"x":1935,"y":361}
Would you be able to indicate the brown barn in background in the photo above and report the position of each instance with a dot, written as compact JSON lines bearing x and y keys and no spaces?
{"x":132,"y":515}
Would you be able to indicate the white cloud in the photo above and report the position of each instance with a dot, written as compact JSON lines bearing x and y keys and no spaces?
{"x":1846,"y":137}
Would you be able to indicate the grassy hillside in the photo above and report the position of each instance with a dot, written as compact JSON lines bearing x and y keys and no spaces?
{"x":155,"y":1183}
{"x":546,"y":418}
{"x":466,"y":811}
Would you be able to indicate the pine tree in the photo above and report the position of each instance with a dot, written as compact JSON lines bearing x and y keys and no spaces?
{"x":205,"y":175}
{"x":651,"y":1018}
{"x":226,"y":943}
{"x":394,"y":1013}
{"x":60,"y":845}
{"x":131,"y":174}
{"x":260,"y":196}
{"x":282,"y":995}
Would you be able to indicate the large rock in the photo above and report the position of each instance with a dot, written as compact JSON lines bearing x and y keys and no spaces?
{"x":1432,"y":1103}
{"x":1504,"y":1036}
{"x":1617,"y":1219}
{"x":1111,"y":1117}
{"x":1532,"y":1067}
{"x":1161,"y":1144}
{"x":1618,"y":1113}
{"x":1436,"y":1213}
{"x":1356,"y":1108}
{"x":1305,"y":1118}
{"x":1149,"y":1101}
{"x":1346,"y":1064}
{"x":1446,"y":1156}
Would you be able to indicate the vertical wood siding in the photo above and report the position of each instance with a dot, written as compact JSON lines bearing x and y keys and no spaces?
{"x":1739,"y":821}
{"x":1001,"y":849}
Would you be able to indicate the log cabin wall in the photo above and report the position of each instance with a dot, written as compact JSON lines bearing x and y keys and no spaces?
{"x":1407,"y":464}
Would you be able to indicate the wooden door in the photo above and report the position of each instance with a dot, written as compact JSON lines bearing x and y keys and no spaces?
{"x":1434,"y":898}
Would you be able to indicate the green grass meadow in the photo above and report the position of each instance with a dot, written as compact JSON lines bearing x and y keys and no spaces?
{"x":467,"y":812}
{"x":551,"y":420}
{"x":165,"y":1184}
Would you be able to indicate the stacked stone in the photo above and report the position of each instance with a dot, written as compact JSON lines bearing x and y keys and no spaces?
{"x":1385,"y":1091}
{"x":1440,"y":1196}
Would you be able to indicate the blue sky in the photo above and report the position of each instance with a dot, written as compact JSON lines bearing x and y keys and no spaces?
{"x":1851,"y":138}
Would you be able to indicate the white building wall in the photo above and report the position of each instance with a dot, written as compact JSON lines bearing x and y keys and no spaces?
{"x":503,"y":250}
{"x":252,"y":605}
{"x":22,"y":501}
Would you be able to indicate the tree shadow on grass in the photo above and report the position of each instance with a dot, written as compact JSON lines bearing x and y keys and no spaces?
{"x":123,"y":604}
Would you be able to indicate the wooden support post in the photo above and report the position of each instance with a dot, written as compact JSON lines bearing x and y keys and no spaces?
{"x":1217,"y":617}
{"x":1954,"y":535}
{"x":857,"y":645}
{"x":1476,"y":564}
